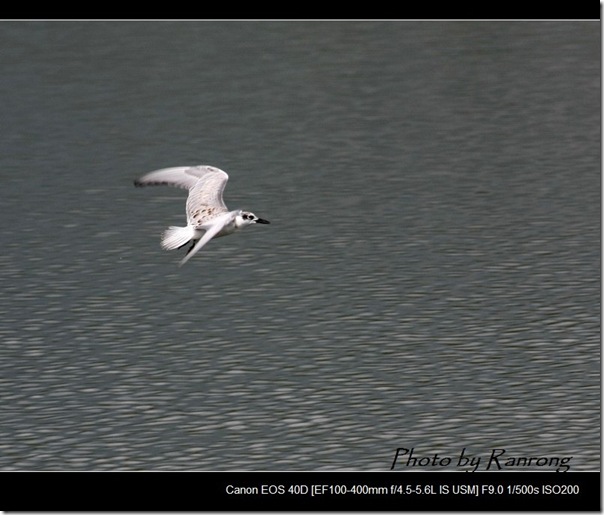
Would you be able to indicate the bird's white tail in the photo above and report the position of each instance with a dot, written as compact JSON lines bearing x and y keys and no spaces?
{"x":175,"y":237}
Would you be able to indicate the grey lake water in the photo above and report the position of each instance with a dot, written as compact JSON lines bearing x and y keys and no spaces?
{"x":430,"y":278}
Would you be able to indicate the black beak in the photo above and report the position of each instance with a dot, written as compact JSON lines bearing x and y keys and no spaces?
{"x":261,"y":221}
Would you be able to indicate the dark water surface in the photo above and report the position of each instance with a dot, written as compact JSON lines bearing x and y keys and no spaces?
{"x":430,"y":279}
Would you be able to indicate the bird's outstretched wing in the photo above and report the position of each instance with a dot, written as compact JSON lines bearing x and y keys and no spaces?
{"x":208,"y":190}
{"x":212,"y":228}
{"x":201,"y":178}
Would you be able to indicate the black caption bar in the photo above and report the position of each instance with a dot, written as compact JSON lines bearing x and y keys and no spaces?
{"x":299,"y":491}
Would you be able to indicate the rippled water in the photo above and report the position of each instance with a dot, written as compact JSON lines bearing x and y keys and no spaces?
{"x":430,"y":277}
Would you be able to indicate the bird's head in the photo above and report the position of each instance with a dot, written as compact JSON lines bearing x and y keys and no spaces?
{"x":244,"y":218}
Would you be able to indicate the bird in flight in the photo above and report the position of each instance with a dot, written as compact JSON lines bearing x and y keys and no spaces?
{"x":207,"y":214}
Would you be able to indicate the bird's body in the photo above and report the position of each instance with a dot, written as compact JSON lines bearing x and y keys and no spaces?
{"x":207,"y":214}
